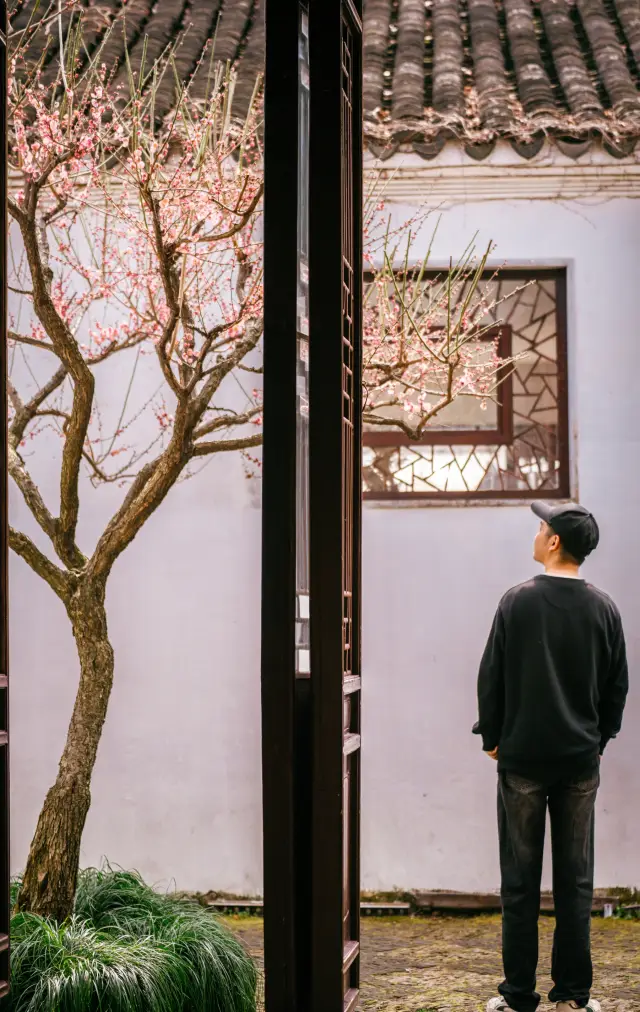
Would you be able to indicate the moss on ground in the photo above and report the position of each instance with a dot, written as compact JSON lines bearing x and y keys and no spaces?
{"x":452,"y":964}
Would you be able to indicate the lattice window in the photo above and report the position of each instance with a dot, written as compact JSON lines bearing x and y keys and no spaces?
{"x":514,"y":448}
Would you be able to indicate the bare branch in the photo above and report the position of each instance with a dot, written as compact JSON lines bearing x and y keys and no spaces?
{"x":222,"y":369}
{"x":144,"y":475}
{"x":57,"y":579}
{"x":16,"y":211}
{"x":31,"y":494}
{"x":66,"y":348}
{"x":46,"y":174}
{"x":171,"y":286}
{"x":225,"y":421}
{"x":26,"y":412}
{"x":224,"y":445}
{"x":156,"y":479}
{"x":103,"y":475}
{"x":14,"y":397}
{"x":153,"y":484}
{"x":61,"y":204}
{"x":33,"y":341}
{"x":116,"y":347}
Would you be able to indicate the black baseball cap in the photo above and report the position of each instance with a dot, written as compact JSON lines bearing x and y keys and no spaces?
{"x":575,"y":526}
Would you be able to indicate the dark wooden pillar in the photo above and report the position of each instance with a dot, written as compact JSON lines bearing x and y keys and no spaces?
{"x":311,"y":505}
{"x":4,"y":536}
{"x":279,"y":502}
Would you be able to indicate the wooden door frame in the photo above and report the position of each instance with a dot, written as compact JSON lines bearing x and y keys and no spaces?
{"x":335,"y":271}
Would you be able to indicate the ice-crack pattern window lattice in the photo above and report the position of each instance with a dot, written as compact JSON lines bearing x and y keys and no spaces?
{"x":535,"y":459}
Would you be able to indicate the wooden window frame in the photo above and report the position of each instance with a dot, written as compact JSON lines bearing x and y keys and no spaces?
{"x":504,"y":434}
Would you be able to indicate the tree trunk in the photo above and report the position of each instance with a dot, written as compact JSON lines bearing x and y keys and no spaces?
{"x":49,"y":883}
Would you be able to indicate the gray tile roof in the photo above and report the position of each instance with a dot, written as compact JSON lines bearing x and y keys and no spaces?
{"x":473,"y":71}
{"x":480,"y":70}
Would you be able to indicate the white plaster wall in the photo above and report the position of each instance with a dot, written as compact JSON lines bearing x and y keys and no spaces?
{"x":176,"y":790}
{"x":432,"y":578}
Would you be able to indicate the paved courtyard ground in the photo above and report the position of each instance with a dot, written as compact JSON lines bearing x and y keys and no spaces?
{"x":452,"y":964}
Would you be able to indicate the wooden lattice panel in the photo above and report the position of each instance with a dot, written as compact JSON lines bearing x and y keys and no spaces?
{"x":535,"y":458}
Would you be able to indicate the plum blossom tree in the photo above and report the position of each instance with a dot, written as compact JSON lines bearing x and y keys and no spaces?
{"x":130,"y":238}
{"x":424,"y":335}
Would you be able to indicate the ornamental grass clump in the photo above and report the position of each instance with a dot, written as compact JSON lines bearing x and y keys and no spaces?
{"x":127,"y":948}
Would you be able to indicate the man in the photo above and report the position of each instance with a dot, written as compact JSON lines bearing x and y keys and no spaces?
{"x":551,"y":690}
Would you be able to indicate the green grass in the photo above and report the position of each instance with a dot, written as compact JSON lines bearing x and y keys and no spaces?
{"x":128,"y":948}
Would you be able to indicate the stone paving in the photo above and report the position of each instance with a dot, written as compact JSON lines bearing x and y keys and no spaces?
{"x":452,"y":964}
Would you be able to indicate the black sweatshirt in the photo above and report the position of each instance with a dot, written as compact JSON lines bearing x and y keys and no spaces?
{"x":553,"y":678}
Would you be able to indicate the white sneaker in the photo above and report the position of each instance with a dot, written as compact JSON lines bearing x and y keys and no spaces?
{"x":569,"y":1006}
{"x":498,"y":1005}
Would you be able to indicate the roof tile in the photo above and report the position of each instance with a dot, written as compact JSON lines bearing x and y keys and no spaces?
{"x":488,"y":62}
{"x":475,"y":70}
{"x":629,"y":14}
{"x":534,"y":87}
{"x":375,"y":39}
{"x":448,"y":58}
{"x":609,"y":56}
{"x":579,"y":90}
{"x":408,"y":80}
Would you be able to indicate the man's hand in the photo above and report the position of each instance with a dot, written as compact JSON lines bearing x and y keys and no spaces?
{"x":494,"y":754}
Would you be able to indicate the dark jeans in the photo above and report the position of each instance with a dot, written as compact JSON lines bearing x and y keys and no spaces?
{"x":522,"y":808}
